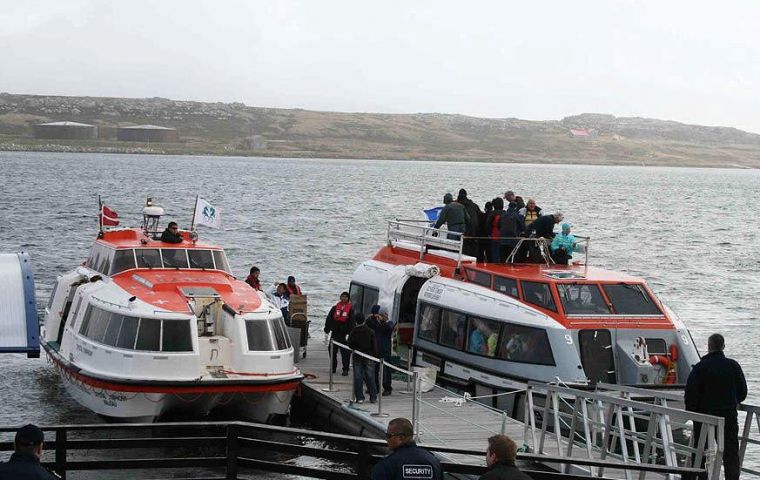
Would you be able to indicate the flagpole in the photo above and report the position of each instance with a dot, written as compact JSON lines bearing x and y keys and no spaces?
{"x":195,"y":208}
{"x":100,"y":215}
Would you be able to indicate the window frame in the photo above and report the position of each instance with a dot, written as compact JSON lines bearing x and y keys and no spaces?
{"x":516,"y":286}
{"x":479,"y":273}
{"x":551,"y":295}
{"x":601,"y":296}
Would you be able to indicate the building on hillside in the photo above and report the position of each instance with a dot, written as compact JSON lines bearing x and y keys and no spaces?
{"x":147,"y":133}
{"x":66,"y":131}
{"x":256,"y":142}
{"x":579,"y":133}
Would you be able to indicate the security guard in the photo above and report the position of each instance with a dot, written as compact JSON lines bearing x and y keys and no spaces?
{"x":407,"y":461}
{"x":24,"y":464}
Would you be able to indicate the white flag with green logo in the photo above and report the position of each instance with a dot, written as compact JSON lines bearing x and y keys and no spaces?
{"x":207,"y":214}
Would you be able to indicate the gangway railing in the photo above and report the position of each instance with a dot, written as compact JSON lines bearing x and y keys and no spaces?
{"x":604,"y":426}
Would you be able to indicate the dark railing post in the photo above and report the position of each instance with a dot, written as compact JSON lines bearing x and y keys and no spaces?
{"x":60,"y":452}
{"x":364,"y":467}
{"x":232,"y":451}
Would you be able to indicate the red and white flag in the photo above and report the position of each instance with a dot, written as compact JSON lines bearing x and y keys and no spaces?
{"x":108,"y":217}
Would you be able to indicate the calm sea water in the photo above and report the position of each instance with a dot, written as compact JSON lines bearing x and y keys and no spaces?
{"x":692,"y":233}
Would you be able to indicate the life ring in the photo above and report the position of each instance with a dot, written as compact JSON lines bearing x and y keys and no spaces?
{"x":670,"y":377}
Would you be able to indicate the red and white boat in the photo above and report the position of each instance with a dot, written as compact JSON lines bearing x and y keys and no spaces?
{"x":493,"y":327}
{"x":144,"y":328}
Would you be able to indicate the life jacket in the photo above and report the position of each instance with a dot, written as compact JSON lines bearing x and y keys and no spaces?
{"x":293,"y":291}
{"x":530,"y":217}
{"x":496,"y":225}
{"x":253,"y":282}
{"x":342,"y":311}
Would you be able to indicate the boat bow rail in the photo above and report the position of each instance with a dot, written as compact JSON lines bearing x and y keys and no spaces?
{"x":420,"y":236}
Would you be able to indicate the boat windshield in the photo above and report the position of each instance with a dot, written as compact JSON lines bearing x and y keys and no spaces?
{"x":267,"y":335}
{"x":169,"y":258}
{"x":582,"y":299}
{"x":628,"y":299}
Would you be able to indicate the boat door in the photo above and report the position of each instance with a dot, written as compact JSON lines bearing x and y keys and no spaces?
{"x":67,"y":308}
{"x":597,"y":355}
{"x":406,"y":303}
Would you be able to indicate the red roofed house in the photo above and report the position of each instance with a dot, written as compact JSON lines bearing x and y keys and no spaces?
{"x":579,"y":133}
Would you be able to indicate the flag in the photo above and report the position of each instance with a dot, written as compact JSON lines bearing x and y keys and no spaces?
{"x":432,"y":213}
{"x":207,"y":214}
{"x":108,"y":217}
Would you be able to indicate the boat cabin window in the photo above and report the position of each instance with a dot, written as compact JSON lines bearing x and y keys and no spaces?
{"x":201,"y":259}
{"x":148,"y":258}
{"x":582,"y":299}
{"x":656,"y":346}
{"x":52,"y":296}
{"x":100,"y":258}
{"x":525,"y":344}
{"x":122,"y":260}
{"x":507,"y":286}
{"x":267,"y":335}
{"x":430,"y":322}
{"x":220,"y":260}
{"x":133,"y":333}
{"x":452,"y":329}
{"x":362,"y":298}
{"x":540,"y":294}
{"x":482,"y":336}
{"x":630,"y":299}
{"x":480,"y":278}
{"x":174,"y":257}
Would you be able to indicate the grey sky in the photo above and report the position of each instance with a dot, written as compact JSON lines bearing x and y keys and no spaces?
{"x":696,"y":62}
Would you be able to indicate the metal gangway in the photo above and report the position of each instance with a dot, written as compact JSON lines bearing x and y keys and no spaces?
{"x":632,"y":425}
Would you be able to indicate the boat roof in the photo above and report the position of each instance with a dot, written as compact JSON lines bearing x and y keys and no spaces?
{"x":169,"y":289}
{"x":555,"y":273}
{"x":124,"y":238}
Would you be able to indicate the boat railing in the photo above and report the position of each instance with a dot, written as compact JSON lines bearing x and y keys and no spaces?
{"x":421,"y":236}
{"x":607,"y":425}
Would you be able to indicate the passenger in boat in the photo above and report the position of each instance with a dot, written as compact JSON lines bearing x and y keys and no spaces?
{"x":510,"y":200}
{"x":500,"y":458}
{"x":293,"y":288}
{"x":383,"y":327}
{"x":362,"y":339}
{"x":406,"y":460}
{"x":484,"y":244}
{"x":716,"y":386}
{"x":25,"y":461}
{"x":471,"y":229}
{"x":340,"y":322}
{"x":493,"y":222}
{"x":543,"y":227}
{"x":509,"y":229}
{"x":253,"y":278}
{"x":280,"y":297}
{"x":530,"y":212}
{"x":454,"y":215}
{"x":477,"y":338}
{"x":563,"y":245}
{"x":171,"y":234}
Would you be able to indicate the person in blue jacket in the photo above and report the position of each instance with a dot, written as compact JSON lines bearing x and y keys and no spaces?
{"x":407,"y":460}
{"x":563,"y":245}
{"x":716,"y":386}
{"x":379,"y":322}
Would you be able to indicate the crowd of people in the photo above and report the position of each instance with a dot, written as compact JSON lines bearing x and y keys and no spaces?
{"x":491,"y":234}
{"x":279,"y":293}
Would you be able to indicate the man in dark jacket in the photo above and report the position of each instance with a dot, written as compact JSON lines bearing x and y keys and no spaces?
{"x":362,"y":339}
{"x":171,"y":234}
{"x":500,"y":458}
{"x":509,"y":230}
{"x":24,"y":464}
{"x":340,"y":322}
{"x":407,"y":460}
{"x":380,"y":323}
{"x":493,"y":227}
{"x":471,"y":229}
{"x":543,"y":227}
{"x":716,"y":385}
{"x":454,"y":215}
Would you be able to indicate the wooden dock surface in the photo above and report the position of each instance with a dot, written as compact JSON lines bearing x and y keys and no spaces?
{"x":442,"y":421}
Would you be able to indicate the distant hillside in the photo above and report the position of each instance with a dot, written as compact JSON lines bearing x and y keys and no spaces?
{"x":237,"y":129}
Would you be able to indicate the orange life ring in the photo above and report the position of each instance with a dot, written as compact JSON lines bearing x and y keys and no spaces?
{"x":670,"y":368}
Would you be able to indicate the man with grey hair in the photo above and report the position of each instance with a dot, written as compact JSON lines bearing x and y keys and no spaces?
{"x":407,"y":460}
{"x":716,"y":386}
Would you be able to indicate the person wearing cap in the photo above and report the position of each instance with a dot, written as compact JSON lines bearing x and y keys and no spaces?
{"x":563,"y":245}
{"x":383,"y":328}
{"x":24,"y":464}
{"x":454,"y":215}
{"x":293,"y":288}
{"x":406,"y":459}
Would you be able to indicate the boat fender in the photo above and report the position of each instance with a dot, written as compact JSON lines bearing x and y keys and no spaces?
{"x":674,"y":352}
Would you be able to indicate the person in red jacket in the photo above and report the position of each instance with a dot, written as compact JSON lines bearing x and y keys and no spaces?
{"x":253,"y":278}
{"x":340,"y":322}
{"x":293,"y":288}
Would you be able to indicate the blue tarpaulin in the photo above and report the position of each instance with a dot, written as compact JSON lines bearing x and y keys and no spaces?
{"x":432,"y":213}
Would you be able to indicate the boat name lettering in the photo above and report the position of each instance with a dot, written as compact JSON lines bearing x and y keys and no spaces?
{"x":434,"y":292}
{"x":83,"y":349}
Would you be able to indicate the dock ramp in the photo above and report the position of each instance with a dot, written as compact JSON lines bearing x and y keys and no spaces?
{"x":19,"y":327}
